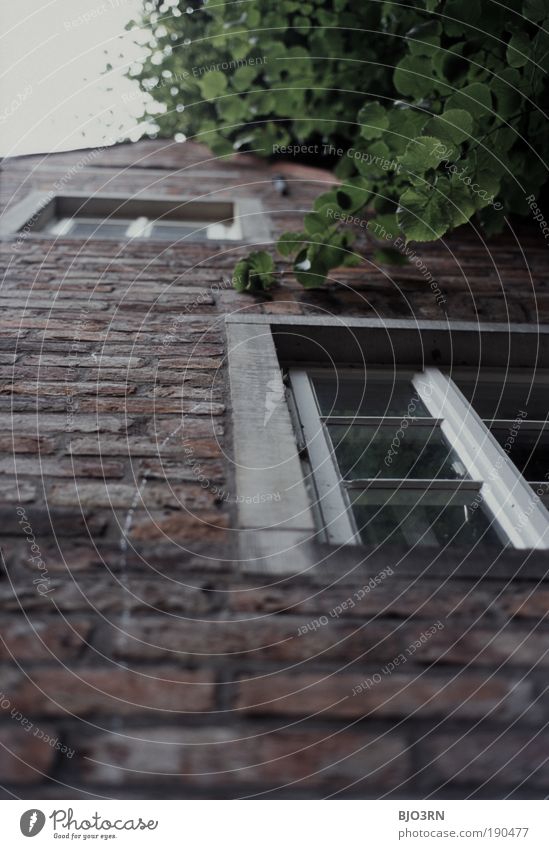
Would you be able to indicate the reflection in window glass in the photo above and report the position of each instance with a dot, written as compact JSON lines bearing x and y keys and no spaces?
{"x":98,"y":228}
{"x":430,"y":520}
{"x":362,"y":451}
{"x":515,"y":408}
{"x":389,"y":467}
{"x":164,"y":229}
{"x":527,"y":449}
{"x":367,"y":396}
{"x":173,"y":233}
{"x":505,"y":395}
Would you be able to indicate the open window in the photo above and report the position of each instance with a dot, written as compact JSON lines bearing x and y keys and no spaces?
{"x":401,"y":456}
{"x":422,"y":435}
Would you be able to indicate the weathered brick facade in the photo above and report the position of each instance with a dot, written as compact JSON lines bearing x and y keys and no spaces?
{"x":146,"y":652}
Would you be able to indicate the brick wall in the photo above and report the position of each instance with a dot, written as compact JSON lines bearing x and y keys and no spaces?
{"x":137,"y":660}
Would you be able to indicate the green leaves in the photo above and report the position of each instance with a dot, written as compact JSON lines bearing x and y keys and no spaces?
{"x":314,"y":262}
{"x":213,"y":84}
{"x":319,"y":249}
{"x":454,"y":125}
{"x":424,"y":153}
{"x":288,"y":243}
{"x":243,"y":77}
{"x":507,"y":89}
{"x":423,"y":215}
{"x":308,"y":271}
{"x":475,"y":98}
{"x":353,"y":194}
{"x":254,"y":273}
{"x":314,"y":223}
{"x":461,"y":17}
{"x":389,"y":256}
{"x":424,"y":38}
{"x":434,"y":107}
{"x":413,"y":77}
{"x":518,"y":50}
{"x":373,"y":119}
{"x":405,"y":123}
{"x":535,"y":10}
{"x":461,"y":204}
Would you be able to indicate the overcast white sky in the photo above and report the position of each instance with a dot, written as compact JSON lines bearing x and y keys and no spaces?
{"x":53,"y":94}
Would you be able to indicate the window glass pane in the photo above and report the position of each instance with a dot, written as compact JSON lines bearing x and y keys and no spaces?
{"x":506,"y":396}
{"x":173,"y":232}
{"x":516,"y":400}
{"x":527,"y":449}
{"x":541,"y":489}
{"x":89,"y":228}
{"x":429,"y":520}
{"x":367,"y":396}
{"x":364,"y":451}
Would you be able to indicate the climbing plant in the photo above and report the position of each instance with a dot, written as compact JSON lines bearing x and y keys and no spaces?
{"x":430,"y":112}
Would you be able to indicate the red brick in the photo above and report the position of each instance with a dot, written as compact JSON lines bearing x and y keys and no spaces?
{"x":146,"y":406}
{"x":180,"y":470}
{"x":68,"y":523}
{"x":42,"y":640}
{"x":30,"y":373}
{"x":514,"y":645}
{"x":393,"y":597}
{"x":249,"y":757}
{"x":185,"y":382}
{"x":84,"y":360}
{"x":113,"y":690}
{"x":64,"y":389}
{"x":466,"y":696}
{"x":525,"y":604}
{"x":273,"y":638}
{"x":195,"y":361}
{"x":144,"y":447}
{"x":150,"y":376}
{"x":119,"y":495}
{"x":65,"y":469}
{"x":476,"y":757}
{"x":15,"y":491}
{"x":103,"y":592}
{"x":177,"y":525}
{"x":187,"y":426}
{"x":24,"y":757}
{"x":30,"y":444}
{"x":57,"y":423}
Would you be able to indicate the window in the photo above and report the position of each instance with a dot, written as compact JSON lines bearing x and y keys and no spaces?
{"x":120,"y":217}
{"x":79,"y":227}
{"x":514,"y":406}
{"x":452,"y":484}
{"x":403,"y":456}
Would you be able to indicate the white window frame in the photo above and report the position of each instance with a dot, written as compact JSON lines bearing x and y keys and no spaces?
{"x":143,"y":228}
{"x":504,"y":492}
{"x":129,"y":228}
{"x":43,"y":215}
{"x":283,"y":538}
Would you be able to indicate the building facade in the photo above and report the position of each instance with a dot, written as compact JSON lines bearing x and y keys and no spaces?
{"x":190,"y":605}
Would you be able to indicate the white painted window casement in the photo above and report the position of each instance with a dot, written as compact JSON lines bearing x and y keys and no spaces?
{"x":421,"y":436}
{"x":77,"y":215}
{"x":79,"y":227}
{"x":401,"y":456}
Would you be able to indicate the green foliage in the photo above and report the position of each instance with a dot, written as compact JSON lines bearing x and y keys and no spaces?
{"x":436,"y":105}
{"x":254,"y":273}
